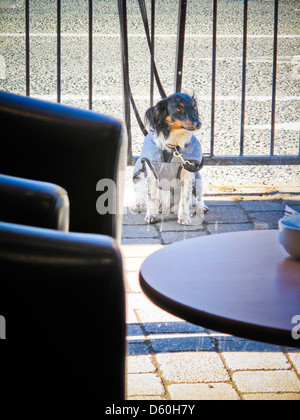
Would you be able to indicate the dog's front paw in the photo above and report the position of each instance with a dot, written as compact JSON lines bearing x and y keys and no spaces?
{"x":151,"y":218}
{"x":138,"y":208}
{"x":184,"y":220}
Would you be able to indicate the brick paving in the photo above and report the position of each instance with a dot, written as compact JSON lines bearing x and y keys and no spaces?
{"x":170,"y":359}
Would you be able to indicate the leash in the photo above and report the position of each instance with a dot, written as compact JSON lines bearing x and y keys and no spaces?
{"x":163,"y":95}
{"x":143,"y":10}
{"x":123,"y":19}
{"x":186,"y":164}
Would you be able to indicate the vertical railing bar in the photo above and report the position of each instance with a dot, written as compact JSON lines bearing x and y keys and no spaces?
{"x":90,"y":54}
{"x":153,"y":50}
{"x":58,"y":51}
{"x":180,"y":44}
{"x":275,"y":45}
{"x":213,"y":79}
{"x":27,"y":48}
{"x":122,"y":5}
{"x":244,"y":70}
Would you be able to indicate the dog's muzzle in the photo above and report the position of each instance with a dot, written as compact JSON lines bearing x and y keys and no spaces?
{"x":192,"y":126}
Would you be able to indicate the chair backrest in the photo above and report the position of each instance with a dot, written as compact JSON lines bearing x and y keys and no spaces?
{"x":63,"y":301}
{"x":66,"y":146}
{"x":33,"y":203}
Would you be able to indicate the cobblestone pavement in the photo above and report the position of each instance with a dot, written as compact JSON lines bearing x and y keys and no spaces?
{"x":170,"y":359}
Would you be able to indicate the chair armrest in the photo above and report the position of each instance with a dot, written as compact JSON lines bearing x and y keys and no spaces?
{"x":33,"y":203}
{"x":62,"y":296}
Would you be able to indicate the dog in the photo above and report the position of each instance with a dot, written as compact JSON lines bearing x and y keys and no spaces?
{"x":170,"y":161}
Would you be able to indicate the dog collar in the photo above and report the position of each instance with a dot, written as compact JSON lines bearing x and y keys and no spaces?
{"x":169,"y":146}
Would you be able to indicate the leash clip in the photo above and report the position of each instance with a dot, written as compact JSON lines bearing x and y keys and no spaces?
{"x":179,"y":155}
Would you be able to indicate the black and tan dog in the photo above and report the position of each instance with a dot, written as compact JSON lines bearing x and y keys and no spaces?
{"x":170,"y":160}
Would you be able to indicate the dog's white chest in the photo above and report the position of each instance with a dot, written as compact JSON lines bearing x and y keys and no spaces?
{"x":179,"y":138}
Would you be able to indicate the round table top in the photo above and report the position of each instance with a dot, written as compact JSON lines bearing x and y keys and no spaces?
{"x":241,"y":283}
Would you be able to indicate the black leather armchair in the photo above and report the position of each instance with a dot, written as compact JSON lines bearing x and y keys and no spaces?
{"x":62,"y":299}
{"x":69,"y":147}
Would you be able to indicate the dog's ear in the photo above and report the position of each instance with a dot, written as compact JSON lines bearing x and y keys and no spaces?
{"x":149,"y":115}
{"x":156,"y":116}
{"x":161,"y":111}
{"x":194,"y":97}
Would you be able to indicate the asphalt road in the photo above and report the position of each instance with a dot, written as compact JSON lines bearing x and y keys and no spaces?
{"x":107,"y":80}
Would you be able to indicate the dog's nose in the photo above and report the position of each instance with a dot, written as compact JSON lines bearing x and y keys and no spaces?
{"x":197,"y":124}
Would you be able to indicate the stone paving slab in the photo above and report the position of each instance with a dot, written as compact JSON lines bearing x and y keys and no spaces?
{"x":204,"y":391}
{"x":192,"y":367}
{"x":170,"y":359}
{"x":248,"y":360}
{"x":267,"y":381}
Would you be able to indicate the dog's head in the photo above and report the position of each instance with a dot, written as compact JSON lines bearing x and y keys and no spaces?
{"x":177,"y":112}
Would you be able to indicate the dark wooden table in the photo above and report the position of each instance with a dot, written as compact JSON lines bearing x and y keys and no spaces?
{"x":241,"y":283}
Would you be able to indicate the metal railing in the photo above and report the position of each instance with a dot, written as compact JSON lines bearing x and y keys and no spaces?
{"x":210,"y":158}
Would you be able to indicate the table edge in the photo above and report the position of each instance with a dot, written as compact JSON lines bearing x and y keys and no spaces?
{"x":276,"y":336}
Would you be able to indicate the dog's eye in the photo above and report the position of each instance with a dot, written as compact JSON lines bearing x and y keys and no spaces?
{"x":180,"y":108}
